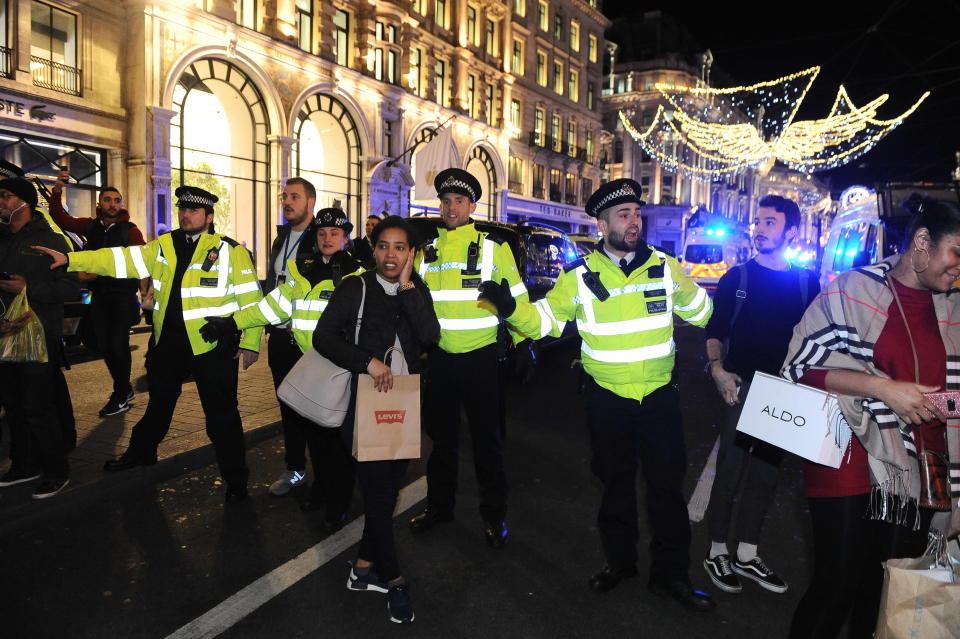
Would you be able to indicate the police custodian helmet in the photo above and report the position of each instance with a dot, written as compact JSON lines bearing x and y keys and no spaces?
{"x":193,"y":197}
{"x":333,"y":218}
{"x":457,"y":181}
{"x":613,"y":193}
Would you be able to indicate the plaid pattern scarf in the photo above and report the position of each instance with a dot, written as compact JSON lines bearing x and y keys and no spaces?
{"x":838,"y":332}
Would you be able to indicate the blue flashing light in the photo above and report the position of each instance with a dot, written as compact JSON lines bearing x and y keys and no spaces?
{"x":709,"y":231}
{"x":839,"y":251}
{"x":851,"y":252}
{"x":721,"y":232}
{"x":805,"y":257}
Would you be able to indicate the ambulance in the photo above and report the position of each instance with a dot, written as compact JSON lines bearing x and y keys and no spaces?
{"x":710,"y":251}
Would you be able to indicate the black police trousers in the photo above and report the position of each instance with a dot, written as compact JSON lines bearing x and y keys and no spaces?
{"x":470,"y":380}
{"x":622,"y":432}
{"x":215,"y":372}
{"x":282,"y":354}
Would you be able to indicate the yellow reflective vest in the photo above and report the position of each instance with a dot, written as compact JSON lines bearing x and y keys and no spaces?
{"x":294,"y":301}
{"x":466,"y":324}
{"x":627,"y":340}
{"x":56,"y":228}
{"x":220,"y":280}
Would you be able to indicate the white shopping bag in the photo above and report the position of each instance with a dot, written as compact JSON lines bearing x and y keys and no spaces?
{"x":799,"y":419}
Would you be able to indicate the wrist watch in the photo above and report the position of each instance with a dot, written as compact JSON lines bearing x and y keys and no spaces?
{"x":707,"y":368}
{"x":405,"y":287}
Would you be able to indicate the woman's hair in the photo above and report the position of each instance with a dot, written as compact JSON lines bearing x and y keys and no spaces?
{"x":394,"y":222}
{"x":938,"y":217}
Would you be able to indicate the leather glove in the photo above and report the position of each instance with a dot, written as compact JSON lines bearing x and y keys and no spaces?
{"x":218,"y":327}
{"x":525,"y":360}
{"x":500,"y":296}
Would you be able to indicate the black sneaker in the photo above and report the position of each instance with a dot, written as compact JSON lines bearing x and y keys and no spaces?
{"x":365,"y":583}
{"x":15,"y":476}
{"x":755,"y":569}
{"x":49,"y":487}
{"x":720,"y":573}
{"x":118,"y":403}
{"x":398,"y":603}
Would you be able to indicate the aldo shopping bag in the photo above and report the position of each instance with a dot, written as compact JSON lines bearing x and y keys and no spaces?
{"x":799,"y":419}
{"x":387,"y":425}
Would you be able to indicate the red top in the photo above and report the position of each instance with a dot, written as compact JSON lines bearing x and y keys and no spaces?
{"x":892,"y":355}
{"x":78,"y":225}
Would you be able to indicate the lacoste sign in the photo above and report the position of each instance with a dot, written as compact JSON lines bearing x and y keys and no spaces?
{"x":36,"y":112}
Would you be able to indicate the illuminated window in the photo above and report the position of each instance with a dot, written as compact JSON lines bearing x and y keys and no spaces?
{"x":542,"y":13}
{"x":516,"y":117}
{"x":305,"y":24}
{"x":440,"y":13}
{"x":246,"y":13}
{"x":556,"y":142}
{"x":539,"y":122}
{"x":341,"y":38}
{"x":591,"y":89}
{"x":571,"y":138}
{"x":488,"y":104}
{"x":515,"y":174}
{"x":517,"y":56}
{"x":539,"y":175}
{"x":53,"y":49}
{"x":386,"y":59}
{"x":541,"y":68}
{"x":588,"y":145}
{"x":573,"y":86}
{"x":558,"y":77}
{"x":420,"y":6}
{"x":471,"y":96}
{"x":570,"y":189}
{"x":414,"y":76}
{"x":574,"y":35}
{"x":592,"y":47}
{"x":555,"y":185}
{"x":439,"y":82}
{"x":472,"y":27}
{"x":491,"y":43}
{"x":557,"y":26}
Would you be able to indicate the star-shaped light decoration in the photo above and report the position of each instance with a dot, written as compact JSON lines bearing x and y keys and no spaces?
{"x":707,"y":132}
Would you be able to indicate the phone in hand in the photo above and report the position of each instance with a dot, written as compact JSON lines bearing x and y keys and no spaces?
{"x":948,"y":403}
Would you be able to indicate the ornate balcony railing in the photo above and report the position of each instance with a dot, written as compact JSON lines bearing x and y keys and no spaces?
{"x":53,"y":75}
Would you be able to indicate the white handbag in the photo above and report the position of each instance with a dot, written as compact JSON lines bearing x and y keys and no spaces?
{"x":318,"y":389}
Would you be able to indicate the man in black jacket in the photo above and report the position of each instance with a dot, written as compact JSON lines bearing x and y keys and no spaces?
{"x":37,"y":447}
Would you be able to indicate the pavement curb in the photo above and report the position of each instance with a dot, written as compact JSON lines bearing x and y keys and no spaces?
{"x":31,"y":511}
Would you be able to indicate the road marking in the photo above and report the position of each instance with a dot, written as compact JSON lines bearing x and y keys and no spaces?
{"x":233,"y":609}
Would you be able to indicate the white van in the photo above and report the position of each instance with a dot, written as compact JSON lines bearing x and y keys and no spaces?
{"x":710,"y":251}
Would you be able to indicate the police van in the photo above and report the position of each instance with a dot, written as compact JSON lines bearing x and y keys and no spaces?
{"x":712,"y":250}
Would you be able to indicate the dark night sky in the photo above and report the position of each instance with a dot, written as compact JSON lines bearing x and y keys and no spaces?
{"x":902,"y":48}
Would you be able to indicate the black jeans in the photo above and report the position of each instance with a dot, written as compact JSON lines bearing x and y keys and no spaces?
{"x":621,"y":432}
{"x":36,"y":437}
{"x":758,"y":465}
{"x":470,"y":380}
{"x":848,"y":550}
{"x":112,"y":317}
{"x":215,"y":373}
{"x":380,"y":482}
{"x":282,"y":354}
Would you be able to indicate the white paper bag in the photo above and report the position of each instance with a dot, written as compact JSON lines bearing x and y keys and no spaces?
{"x":799,"y":419}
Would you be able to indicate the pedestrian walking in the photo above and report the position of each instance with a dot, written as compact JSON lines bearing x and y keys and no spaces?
{"x":756,"y":306}
{"x":397,"y":311}
{"x":623,"y":297}
{"x":196,"y":273}
{"x":881,"y":337}
{"x":298,"y":303}
{"x":113,"y":307}
{"x":464,"y":369}
{"x":38,"y":443}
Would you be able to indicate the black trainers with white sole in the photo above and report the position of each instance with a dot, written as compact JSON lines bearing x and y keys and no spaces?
{"x":720,"y":573}
{"x":49,"y":488}
{"x":756,"y":570}
{"x":14,"y":476}
{"x":118,"y":403}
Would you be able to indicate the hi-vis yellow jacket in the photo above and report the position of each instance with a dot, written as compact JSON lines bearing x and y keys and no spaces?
{"x":628,"y":338}
{"x":465,"y":323}
{"x":220,"y":281}
{"x":294,"y":300}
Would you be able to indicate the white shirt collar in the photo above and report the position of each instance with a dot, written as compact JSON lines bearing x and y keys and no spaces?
{"x":390,"y":288}
{"x":616,"y":260}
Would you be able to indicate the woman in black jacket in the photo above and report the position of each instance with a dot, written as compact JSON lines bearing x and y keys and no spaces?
{"x":397,"y":307}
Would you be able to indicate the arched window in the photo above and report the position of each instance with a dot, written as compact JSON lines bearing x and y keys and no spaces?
{"x":327,"y":153}
{"x":218,"y":142}
{"x":480,"y":165}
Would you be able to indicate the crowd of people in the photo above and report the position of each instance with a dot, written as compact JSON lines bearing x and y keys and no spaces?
{"x":881,"y":337}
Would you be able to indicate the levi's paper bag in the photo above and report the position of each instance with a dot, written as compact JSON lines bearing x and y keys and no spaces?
{"x":919,"y":600}
{"x":799,"y":419}
{"x":387,"y":425}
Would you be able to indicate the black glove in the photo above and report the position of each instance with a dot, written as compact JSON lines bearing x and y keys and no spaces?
{"x":500,"y":296}
{"x":525,"y":360}
{"x":218,"y":327}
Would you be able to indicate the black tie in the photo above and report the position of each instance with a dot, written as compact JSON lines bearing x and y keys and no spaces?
{"x":623,"y":262}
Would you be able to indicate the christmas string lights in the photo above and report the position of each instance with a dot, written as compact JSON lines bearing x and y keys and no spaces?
{"x":707,"y":133}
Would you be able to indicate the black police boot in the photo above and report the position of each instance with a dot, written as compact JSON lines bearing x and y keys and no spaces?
{"x":129,"y":460}
{"x":681,"y":590}
{"x":608,"y":578}
{"x":428,"y":519}
{"x":496,"y":534}
{"x":236,"y":493}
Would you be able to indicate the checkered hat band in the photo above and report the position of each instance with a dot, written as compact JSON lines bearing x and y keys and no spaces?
{"x":452,"y":182}
{"x":623,"y":191}
{"x":191,"y":198}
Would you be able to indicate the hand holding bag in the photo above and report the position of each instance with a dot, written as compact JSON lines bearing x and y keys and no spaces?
{"x":387,"y":425}
{"x":24,"y":339}
{"x":318,"y":389}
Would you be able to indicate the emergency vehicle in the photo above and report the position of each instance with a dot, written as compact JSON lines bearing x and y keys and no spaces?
{"x":710,"y":251}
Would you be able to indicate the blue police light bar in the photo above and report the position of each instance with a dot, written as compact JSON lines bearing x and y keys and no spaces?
{"x":721,"y":232}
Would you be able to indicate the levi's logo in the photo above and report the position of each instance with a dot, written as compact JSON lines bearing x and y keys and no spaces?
{"x":389,"y":416}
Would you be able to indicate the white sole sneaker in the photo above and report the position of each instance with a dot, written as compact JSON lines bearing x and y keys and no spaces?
{"x":22,"y":480}
{"x":746,"y":574}
{"x":52,"y":493}
{"x":717,"y":582}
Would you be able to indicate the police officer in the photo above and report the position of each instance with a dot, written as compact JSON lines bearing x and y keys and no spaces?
{"x":623,"y":296}
{"x":463,"y":370}
{"x":196,"y":273}
{"x":298,"y":302}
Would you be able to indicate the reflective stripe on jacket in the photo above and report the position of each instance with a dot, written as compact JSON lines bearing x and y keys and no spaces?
{"x":294,"y":300}
{"x":465,"y":323}
{"x":628,"y":338}
{"x":228,"y":285}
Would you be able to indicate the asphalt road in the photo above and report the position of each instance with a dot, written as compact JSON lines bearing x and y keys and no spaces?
{"x":158,"y":553}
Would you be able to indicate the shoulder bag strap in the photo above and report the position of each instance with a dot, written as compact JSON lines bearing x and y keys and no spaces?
{"x":363,"y":298}
{"x":740,"y":294}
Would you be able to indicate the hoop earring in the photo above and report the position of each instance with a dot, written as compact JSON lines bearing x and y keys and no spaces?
{"x":913,"y":261}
